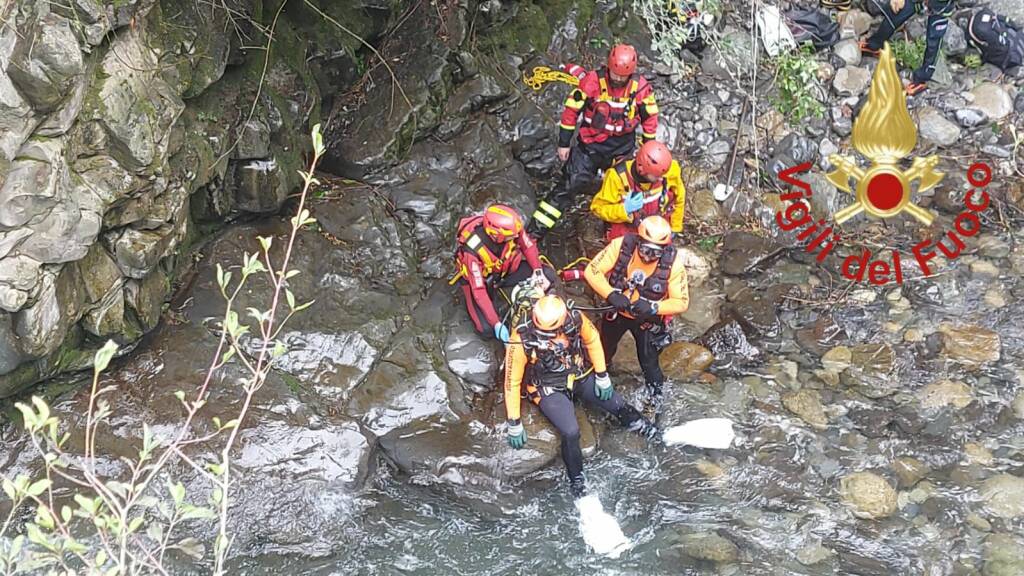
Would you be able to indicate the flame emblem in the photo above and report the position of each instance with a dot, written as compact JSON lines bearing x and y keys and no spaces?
{"x":884,"y":133}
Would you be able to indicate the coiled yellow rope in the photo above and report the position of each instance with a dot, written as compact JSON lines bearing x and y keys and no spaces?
{"x":542,"y":75}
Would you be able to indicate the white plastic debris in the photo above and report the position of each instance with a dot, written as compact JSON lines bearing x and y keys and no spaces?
{"x":775,"y":35}
{"x":716,"y":433}
{"x":600,"y":529}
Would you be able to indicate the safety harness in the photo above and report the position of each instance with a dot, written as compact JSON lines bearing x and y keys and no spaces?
{"x":611,"y":114}
{"x":663,"y":197}
{"x":554,"y":363}
{"x":472,"y":238}
{"x":655,"y":287}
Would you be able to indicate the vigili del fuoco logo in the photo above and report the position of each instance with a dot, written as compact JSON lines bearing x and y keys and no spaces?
{"x":884,"y":134}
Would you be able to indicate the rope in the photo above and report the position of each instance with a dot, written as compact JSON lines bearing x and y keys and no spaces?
{"x":542,"y":75}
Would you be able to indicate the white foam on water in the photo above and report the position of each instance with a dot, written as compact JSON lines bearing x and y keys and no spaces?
{"x":600,"y":529}
{"x":714,"y":433}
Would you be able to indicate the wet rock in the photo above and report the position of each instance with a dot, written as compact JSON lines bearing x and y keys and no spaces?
{"x":936,"y":128}
{"x":971,"y":117}
{"x":873,"y":423}
{"x":849,"y":51}
{"x":121,"y":101}
{"x":697,"y":266}
{"x":258,"y":186}
{"x":871,"y":367}
{"x":253,"y":141}
{"x":146,"y":298}
{"x":820,"y":335}
{"x":138,"y":251}
{"x":807,"y":405}
{"x":909,"y":471}
{"x":683,"y":360}
{"x":1004,"y":495}
{"x":729,"y":345}
{"x":868,"y":495}
{"x":717,"y":154}
{"x":1004,"y":555}
{"x":851,"y":81}
{"x":969,"y":345}
{"x":46,"y":62}
{"x":945,"y":393}
{"x":709,"y":546}
{"x":1018,"y":405}
{"x":17,"y":119}
{"x":42,"y":327}
{"x":978,"y":454}
{"x":756,"y":309}
{"x":993,"y":100}
{"x":813,"y":554}
{"x":837,"y":359}
{"x":337,"y":454}
{"x":469,"y":356}
{"x":743,"y":253}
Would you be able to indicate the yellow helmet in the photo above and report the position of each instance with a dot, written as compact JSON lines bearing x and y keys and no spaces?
{"x":656,"y":229}
{"x":549,"y":313}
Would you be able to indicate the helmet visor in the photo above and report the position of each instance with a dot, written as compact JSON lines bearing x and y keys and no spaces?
{"x":650,"y":251}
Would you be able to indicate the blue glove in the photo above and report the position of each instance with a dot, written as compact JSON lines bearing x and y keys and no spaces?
{"x":633,"y":203}
{"x":501,"y":332}
{"x":603,"y":386}
{"x":516,"y":434}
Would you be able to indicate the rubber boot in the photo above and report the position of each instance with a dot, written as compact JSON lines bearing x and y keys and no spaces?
{"x":652,"y":400}
{"x":647,"y":429}
{"x":578,"y":487}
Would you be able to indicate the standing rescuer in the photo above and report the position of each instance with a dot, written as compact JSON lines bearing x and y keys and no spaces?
{"x":647,"y":185}
{"x":894,"y":14}
{"x":642,"y":276}
{"x":557,"y":354}
{"x":493,"y":251}
{"x":610,"y":103}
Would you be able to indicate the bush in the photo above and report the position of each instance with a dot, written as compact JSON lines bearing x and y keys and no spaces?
{"x":796,"y":77}
{"x":110,"y":526}
{"x":909,"y":54}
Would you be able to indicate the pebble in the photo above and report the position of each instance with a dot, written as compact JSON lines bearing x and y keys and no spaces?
{"x":945,"y":393}
{"x":1004,"y":495}
{"x":978,"y":454}
{"x":913,"y":335}
{"x":868,"y":495}
{"x":863,"y":296}
{"x":812,"y":554}
{"x":978,"y":522}
{"x":971,"y":117}
{"x":995,"y":297}
{"x":983,"y":269}
{"x":1018,"y":405}
{"x":969,"y":345}
{"x":909,"y":470}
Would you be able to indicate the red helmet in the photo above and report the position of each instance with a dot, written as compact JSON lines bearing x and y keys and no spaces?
{"x":656,"y":229}
{"x":502,"y":222}
{"x":622,"y":60}
{"x":653,"y":160}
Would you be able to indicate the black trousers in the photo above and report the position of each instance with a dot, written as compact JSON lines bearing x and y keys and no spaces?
{"x":579,"y":176}
{"x":938,"y":20}
{"x":645,"y":334}
{"x":557,"y":406}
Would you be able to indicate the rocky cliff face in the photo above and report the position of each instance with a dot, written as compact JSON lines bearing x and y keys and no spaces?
{"x":128,"y":127}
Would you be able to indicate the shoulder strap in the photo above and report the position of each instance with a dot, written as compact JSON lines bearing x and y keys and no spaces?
{"x":618,"y":273}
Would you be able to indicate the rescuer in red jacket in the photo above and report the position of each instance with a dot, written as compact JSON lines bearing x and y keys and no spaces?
{"x":493,"y":251}
{"x":609,"y":104}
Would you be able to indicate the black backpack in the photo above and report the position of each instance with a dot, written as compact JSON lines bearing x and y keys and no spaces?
{"x":812,"y":26}
{"x":1000,"y":43}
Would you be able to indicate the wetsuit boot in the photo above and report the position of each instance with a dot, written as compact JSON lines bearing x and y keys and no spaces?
{"x":578,"y":487}
{"x":652,"y":399}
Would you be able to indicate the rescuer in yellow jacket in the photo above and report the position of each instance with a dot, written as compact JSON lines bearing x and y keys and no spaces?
{"x":651,"y":184}
{"x":557,"y":354}
{"x":643,"y":277}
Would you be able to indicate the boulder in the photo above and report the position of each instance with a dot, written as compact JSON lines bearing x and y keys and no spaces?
{"x":868,"y":495}
{"x":935,"y":128}
{"x":729,"y":345}
{"x":734,"y":60}
{"x":132,"y":102}
{"x":993,"y":100}
{"x":1004,"y":495}
{"x":855,"y":23}
{"x":259,"y":186}
{"x":681,"y":361}
{"x":46,"y":63}
{"x":1004,"y":555}
{"x":954,"y":42}
{"x":17,"y":119}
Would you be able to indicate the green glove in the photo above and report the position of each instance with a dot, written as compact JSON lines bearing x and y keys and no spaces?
{"x":516,"y":434}
{"x":603,"y":386}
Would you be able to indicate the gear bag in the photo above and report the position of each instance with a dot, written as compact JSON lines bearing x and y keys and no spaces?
{"x":812,"y":26}
{"x":1000,"y":42}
